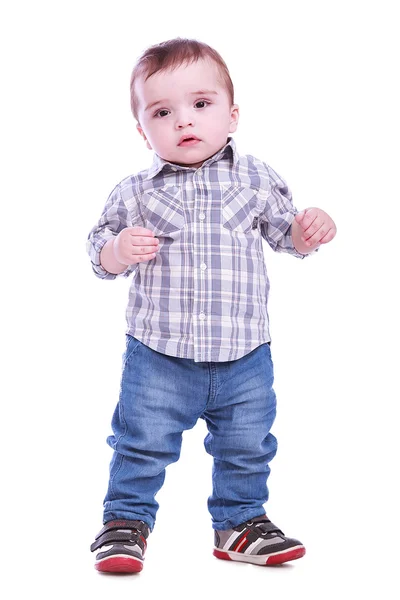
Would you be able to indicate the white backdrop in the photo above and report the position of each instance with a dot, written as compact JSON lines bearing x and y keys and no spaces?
{"x":317,"y":86}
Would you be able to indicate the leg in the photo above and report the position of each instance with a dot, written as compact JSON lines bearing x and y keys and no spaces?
{"x":239,"y":439}
{"x":156,"y":405}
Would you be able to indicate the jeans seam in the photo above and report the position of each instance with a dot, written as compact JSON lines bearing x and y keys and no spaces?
{"x":114,"y":475}
{"x":123,"y":433}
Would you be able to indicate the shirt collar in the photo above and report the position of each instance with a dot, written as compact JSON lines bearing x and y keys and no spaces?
{"x":228,"y":151}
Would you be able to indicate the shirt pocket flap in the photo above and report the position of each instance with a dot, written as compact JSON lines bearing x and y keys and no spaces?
{"x":240,"y":208}
{"x":163,"y":210}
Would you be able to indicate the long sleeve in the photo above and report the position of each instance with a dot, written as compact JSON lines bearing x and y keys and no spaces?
{"x":278,"y":215}
{"x":115,"y":217}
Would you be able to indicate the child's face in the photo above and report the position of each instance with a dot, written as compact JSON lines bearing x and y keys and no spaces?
{"x":189,"y":101}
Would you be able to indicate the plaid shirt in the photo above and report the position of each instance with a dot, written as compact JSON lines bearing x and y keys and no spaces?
{"x":204,"y":296}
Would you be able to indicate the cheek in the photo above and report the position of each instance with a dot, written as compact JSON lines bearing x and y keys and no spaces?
{"x":149,"y":131}
{"x":157,"y":129}
{"x":159,"y":138}
{"x":219,"y":128}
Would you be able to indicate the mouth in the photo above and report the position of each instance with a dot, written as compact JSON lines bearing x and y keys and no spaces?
{"x":188,"y":140}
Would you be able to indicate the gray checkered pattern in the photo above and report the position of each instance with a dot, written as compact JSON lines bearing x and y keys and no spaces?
{"x":204,"y":295}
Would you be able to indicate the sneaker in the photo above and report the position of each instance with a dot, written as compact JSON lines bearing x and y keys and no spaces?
{"x":122,"y":545}
{"x":257,"y":541}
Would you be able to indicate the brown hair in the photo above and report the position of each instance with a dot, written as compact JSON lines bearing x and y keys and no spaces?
{"x":171,"y":54}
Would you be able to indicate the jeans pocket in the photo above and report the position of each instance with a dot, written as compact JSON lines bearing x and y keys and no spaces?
{"x":163,"y":210}
{"x":132,"y":346}
{"x":239,"y":208}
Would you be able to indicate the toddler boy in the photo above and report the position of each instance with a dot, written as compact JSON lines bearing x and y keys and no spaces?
{"x":190,"y":231}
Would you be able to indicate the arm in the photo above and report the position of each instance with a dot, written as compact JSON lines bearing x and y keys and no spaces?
{"x":115,"y":218}
{"x":278,"y":216}
{"x":285,"y":229}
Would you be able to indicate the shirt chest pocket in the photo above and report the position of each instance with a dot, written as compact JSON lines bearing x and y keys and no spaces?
{"x":163,"y":210}
{"x":239,"y":208}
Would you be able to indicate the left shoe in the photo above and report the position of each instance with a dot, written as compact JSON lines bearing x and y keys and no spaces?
{"x":257,"y":541}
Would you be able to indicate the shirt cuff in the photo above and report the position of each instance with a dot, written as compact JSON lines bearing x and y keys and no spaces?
{"x":94,"y":249}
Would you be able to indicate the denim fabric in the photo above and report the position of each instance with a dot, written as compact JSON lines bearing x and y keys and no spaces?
{"x":161,"y":396}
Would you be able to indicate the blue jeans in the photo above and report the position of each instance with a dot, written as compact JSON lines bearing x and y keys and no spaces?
{"x":161,"y":396}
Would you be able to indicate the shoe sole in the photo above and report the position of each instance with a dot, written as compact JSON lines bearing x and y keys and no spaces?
{"x":261,"y":559}
{"x":119,"y":564}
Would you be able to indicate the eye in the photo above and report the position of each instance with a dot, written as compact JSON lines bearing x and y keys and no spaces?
{"x":203,"y":103}
{"x":162,"y":113}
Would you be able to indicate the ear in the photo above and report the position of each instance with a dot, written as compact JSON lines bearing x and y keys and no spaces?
{"x":140,"y":130}
{"x":234,"y":118}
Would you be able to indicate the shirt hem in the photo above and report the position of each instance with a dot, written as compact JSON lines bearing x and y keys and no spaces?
{"x":156,"y":345}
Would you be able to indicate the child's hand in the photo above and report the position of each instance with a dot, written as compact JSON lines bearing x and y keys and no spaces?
{"x":317,"y":226}
{"x":135,"y":244}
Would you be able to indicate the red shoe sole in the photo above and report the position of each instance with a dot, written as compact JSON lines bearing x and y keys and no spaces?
{"x":274,"y":559}
{"x":119,"y":564}
{"x":278,"y":559}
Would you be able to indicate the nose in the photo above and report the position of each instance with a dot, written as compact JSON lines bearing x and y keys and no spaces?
{"x":184,"y":119}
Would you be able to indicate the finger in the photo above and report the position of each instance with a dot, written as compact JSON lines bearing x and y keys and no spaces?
{"x":143,"y":231}
{"x":312,"y":228}
{"x":317,"y":236}
{"x":313,"y":240}
{"x":137,"y":258}
{"x":144,"y":249}
{"x":309,"y":218}
{"x":137,"y":240}
{"x":328,"y":237}
{"x":300,"y":216}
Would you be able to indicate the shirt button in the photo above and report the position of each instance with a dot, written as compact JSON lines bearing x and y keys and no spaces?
{"x":202,"y":316}
{"x":203,"y":266}
{"x":202,"y":216}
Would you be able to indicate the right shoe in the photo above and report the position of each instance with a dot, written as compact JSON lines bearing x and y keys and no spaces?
{"x":122,"y":545}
